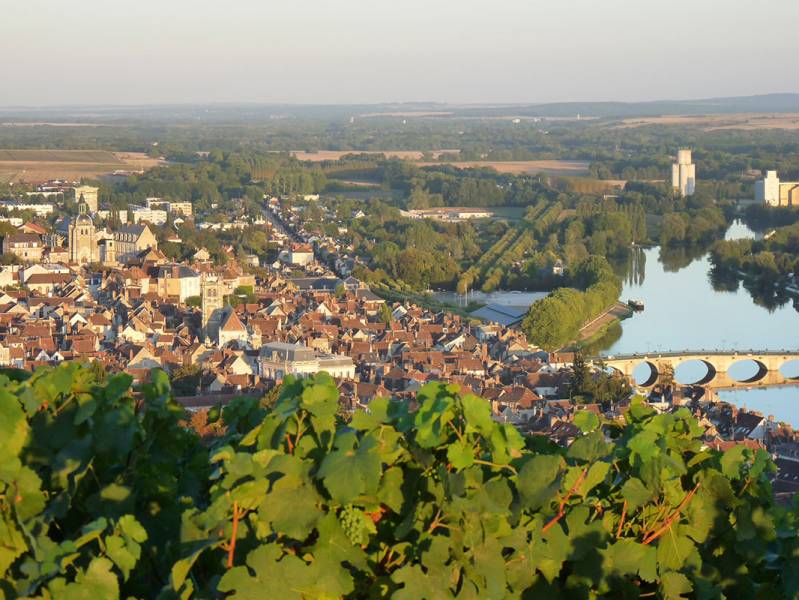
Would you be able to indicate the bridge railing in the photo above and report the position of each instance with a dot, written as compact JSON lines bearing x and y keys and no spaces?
{"x":701,"y":352}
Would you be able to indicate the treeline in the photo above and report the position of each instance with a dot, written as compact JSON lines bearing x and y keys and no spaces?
{"x":419,"y":254}
{"x":219,"y":179}
{"x":765,"y":261}
{"x":692,"y":227}
{"x":556,"y":320}
{"x":451,"y":186}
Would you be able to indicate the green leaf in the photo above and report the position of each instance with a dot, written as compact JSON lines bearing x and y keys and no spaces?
{"x":460,"y":454}
{"x":643,"y":447}
{"x":732,"y":460}
{"x":376,"y":415}
{"x":420,"y":585}
{"x":123,"y":555}
{"x":589,"y":447}
{"x":390,"y":492}
{"x":586,"y":420}
{"x":628,"y":557}
{"x":182,"y":567}
{"x":673,"y":549}
{"x":13,"y":428}
{"x":635,"y":493}
{"x":539,"y":480}
{"x":353,"y":468}
{"x":98,"y":581}
{"x":477,"y":413}
{"x":269,"y":573}
{"x":675,"y":585}
{"x":596,"y":475}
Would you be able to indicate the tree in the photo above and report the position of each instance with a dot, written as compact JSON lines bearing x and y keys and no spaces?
{"x":186,"y":380}
{"x":385,"y":314}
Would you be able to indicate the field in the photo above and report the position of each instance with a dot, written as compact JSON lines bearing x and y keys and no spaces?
{"x":574,"y":168}
{"x":337,"y":154}
{"x":745,"y":121}
{"x":41,"y":165}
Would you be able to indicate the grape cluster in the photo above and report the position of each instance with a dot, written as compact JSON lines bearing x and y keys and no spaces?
{"x":356,"y":524}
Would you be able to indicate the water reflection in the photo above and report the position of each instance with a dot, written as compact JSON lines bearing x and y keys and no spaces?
{"x":688,"y":306}
{"x":675,"y":259}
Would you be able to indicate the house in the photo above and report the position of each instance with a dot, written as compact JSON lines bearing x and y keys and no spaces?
{"x":27,"y":246}
{"x":278,"y":359}
{"x":232,"y":329}
{"x":178,"y":281}
{"x":298,"y":254}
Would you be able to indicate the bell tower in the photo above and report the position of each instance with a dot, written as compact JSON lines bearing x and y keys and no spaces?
{"x":82,"y":244}
{"x":212,"y":304}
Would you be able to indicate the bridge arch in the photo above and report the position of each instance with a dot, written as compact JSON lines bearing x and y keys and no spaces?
{"x":645,"y":374}
{"x":694,"y":371}
{"x":790,"y":369}
{"x":747,"y":369}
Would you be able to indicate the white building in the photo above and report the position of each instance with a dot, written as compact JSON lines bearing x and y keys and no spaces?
{"x":153,"y":216}
{"x":298,"y":254}
{"x":175,"y":208}
{"x":683,"y":173}
{"x":41,"y":210}
{"x":770,"y":190}
{"x":278,"y":359}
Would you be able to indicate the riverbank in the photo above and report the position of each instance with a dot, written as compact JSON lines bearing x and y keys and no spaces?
{"x":597,"y":328}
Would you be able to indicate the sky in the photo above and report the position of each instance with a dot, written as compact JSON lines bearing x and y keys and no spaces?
{"x":60,"y":52}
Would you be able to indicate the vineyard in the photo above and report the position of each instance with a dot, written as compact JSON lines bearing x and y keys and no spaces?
{"x":500,"y":262}
{"x":105,"y":493}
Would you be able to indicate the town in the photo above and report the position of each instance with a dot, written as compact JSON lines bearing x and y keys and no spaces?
{"x":107,"y":294}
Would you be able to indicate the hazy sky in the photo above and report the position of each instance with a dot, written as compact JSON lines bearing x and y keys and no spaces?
{"x":346,"y":51}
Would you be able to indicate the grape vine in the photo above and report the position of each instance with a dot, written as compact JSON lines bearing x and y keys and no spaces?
{"x":104,"y":493}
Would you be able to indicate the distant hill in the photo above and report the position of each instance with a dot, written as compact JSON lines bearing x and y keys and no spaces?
{"x":707,"y":106}
{"x":251,"y":112}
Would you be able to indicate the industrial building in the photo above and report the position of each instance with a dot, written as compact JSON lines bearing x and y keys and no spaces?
{"x":770,"y":190}
{"x":683,"y":173}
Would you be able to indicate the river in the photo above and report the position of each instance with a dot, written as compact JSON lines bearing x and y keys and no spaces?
{"x":686,"y":309}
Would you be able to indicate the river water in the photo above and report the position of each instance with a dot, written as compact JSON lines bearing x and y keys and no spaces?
{"x":686,"y":309}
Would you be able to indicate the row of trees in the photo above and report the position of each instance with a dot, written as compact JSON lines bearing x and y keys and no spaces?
{"x":556,"y":320}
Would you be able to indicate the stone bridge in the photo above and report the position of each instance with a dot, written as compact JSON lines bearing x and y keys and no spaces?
{"x":717,"y":362}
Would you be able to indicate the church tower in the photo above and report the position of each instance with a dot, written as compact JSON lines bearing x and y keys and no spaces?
{"x":212,"y":304}
{"x":82,"y":245}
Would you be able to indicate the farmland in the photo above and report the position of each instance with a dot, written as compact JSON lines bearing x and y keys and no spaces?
{"x":743,"y":121}
{"x":40,"y":165}
{"x":574,"y":168}
{"x":324,"y":155}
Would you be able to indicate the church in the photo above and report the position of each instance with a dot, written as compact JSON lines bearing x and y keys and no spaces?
{"x":90,"y":245}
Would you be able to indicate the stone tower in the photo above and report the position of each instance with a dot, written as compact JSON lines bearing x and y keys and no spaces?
{"x":212,"y":304}
{"x":107,"y":251}
{"x":82,"y":245}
